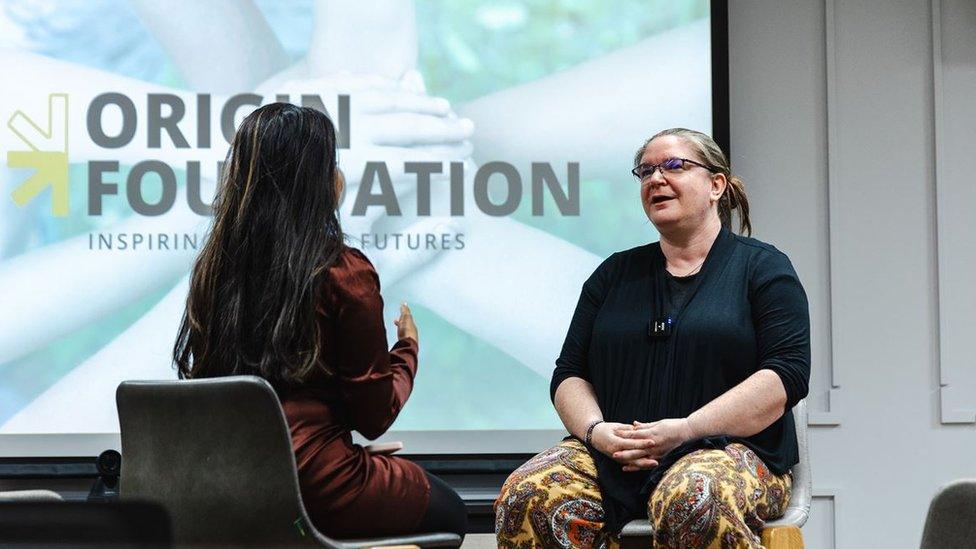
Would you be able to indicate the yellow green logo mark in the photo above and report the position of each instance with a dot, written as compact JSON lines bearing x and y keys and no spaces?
{"x":48,"y":154}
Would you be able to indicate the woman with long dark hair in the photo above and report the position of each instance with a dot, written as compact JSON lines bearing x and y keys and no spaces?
{"x":276,"y":293}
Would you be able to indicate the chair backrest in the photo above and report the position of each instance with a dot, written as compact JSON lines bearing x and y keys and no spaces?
{"x":798,"y":510}
{"x":951,"y":521}
{"x":216,"y":454}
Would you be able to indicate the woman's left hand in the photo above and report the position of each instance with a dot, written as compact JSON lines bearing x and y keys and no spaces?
{"x":667,"y":435}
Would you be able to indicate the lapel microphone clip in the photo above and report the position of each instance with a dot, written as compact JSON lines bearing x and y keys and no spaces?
{"x":660,"y":328}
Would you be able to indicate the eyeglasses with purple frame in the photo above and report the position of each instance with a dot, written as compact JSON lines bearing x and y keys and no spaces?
{"x":671,"y":166}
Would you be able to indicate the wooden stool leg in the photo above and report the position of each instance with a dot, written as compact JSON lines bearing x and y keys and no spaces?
{"x":782,"y":537}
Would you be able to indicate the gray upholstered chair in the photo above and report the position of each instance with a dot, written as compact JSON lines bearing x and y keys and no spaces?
{"x":638,"y":532}
{"x":951,"y":521}
{"x":217,"y":455}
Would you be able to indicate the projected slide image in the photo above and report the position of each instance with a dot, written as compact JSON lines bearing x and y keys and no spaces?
{"x":486,"y":148}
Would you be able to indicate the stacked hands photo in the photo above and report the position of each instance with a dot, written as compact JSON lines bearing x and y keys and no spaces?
{"x":319,"y":165}
{"x":151,"y":98}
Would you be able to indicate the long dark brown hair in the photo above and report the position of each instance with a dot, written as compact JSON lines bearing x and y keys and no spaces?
{"x":251,"y":307}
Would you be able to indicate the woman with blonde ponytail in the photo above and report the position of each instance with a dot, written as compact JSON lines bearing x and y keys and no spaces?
{"x":678,"y":375}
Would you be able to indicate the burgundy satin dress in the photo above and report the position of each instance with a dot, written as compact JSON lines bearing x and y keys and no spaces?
{"x":348,"y":492}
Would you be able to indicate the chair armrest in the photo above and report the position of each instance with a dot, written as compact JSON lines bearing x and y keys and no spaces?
{"x":30,"y":496}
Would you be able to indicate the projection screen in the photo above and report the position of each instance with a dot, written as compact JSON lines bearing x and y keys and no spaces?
{"x":485,"y":216}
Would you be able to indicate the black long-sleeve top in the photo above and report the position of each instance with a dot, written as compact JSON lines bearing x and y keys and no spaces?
{"x":745,"y":311}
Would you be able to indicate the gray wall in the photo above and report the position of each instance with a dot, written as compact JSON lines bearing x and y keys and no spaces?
{"x":854,"y":127}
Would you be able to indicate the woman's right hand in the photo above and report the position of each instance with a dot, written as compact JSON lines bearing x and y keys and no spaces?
{"x":406,"y":327}
{"x":605,"y":439}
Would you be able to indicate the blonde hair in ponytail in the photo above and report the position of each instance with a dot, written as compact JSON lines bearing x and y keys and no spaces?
{"x":734,"y":197}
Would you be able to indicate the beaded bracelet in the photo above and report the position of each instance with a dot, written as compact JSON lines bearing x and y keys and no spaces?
{"x":589,"y":432}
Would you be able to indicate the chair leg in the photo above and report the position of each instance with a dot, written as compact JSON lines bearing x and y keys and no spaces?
{"x":782,"y":537}
{"x":636,"y":542}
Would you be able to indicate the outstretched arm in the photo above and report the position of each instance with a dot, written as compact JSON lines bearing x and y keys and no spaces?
{"x":220,"y":46}
{"x":623,"y":98}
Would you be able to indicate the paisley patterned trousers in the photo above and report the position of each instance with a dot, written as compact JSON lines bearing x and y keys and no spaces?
{"x":709,"y":498}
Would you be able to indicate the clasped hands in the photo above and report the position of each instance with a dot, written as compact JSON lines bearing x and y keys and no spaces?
{"x":640,"y":445}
